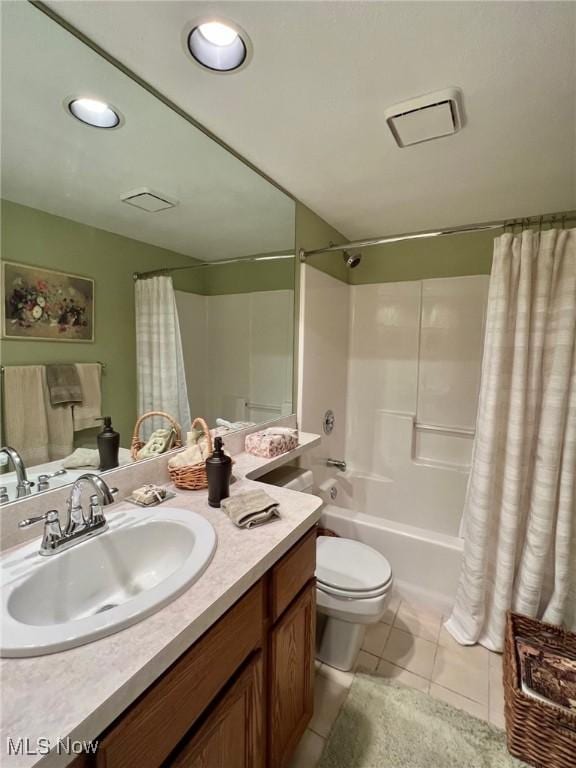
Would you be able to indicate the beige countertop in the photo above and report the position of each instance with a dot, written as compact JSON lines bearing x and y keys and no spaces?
{"x":79,"y":692}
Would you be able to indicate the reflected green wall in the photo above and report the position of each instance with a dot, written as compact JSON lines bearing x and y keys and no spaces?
{"x":237,"y":278}
{"x":31,"y":236}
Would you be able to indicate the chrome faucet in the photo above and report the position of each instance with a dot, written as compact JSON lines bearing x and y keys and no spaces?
{"x":77,"y":520}
{"x":338,"y":463}
{"x":79,"y":526}
{"x":23,"y":485}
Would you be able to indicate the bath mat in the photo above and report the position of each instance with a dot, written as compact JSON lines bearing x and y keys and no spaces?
{"x":391,"y":726}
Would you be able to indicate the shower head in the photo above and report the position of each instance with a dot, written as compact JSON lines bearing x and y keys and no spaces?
{"x":351,"y":259}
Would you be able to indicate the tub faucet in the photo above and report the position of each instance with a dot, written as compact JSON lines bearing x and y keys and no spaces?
{"x":338,"y":463}
{"x":23,"y":485}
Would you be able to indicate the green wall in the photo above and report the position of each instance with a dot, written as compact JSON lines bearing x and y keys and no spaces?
{"x":450,"y":256}
{"x":33,"y":237}
{"x":313,"y":232}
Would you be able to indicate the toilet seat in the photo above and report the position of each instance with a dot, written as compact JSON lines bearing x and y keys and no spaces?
{"x":349,"y":569}
{"x":353,"y":595}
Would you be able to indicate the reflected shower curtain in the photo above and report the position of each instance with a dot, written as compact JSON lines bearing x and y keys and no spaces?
{"x":159,"y":359}
{"x":520,"y":511}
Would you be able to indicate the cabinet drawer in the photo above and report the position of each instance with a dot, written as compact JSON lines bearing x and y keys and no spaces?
{"x":152,"y":727}
{"x":231,"y":734}
{"x":292,"y":572}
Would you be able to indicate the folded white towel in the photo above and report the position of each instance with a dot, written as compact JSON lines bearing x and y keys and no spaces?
{"x":247,"y":510}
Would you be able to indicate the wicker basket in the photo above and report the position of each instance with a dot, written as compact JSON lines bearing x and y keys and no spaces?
{"x":138,"y":443}
{"x":193,"y":477}
{"x":541,"y":734}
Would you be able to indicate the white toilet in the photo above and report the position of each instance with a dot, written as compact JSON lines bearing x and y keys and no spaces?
{"x":354,"y":582}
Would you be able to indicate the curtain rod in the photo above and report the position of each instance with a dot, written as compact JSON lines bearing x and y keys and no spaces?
{"x":548,"y":218}
{"x":204,"y":264}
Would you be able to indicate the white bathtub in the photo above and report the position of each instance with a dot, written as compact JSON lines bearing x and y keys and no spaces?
{"x":425,"y":564}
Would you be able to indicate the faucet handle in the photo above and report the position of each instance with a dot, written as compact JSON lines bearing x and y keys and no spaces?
{"x":43,"y":483}
{"x":4,"y":498}
{"x":50,"y":517}
{"x":52,"y":530}
{"x":96,"y":512}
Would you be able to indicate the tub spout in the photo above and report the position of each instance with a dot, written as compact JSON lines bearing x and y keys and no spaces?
{"x":338,"y":463}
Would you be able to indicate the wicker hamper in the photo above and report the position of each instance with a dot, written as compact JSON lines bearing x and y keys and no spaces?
{"x":541,"y":734}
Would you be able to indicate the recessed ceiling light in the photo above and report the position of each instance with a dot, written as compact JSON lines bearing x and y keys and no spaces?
{"x":217,"y":46}
{"x":95,"y":113}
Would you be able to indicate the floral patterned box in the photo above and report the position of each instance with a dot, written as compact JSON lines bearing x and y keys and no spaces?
{"x":268,"y":444}
{"x":44,"y":304}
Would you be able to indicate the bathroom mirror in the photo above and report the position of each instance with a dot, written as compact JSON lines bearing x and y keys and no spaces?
{"x":94,"y":193}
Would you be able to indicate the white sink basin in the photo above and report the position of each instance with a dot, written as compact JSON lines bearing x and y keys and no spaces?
{"x":145,"y":560}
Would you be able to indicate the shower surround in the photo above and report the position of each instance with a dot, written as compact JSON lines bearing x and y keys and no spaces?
{"x":399,"y":364}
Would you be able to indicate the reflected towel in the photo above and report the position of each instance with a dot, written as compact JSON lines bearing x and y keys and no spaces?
{"x":90,"y":457}
{"x":247,"y":510}
{"x":82,"y":457}
{"x":39,"y":431}
{"x":86,"y":415}
{"x":59,"y":421}
{"x":25,"y":419}
{"x":63,"y":384}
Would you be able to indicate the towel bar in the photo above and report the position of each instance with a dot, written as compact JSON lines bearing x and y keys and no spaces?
{"x":3,"y":367}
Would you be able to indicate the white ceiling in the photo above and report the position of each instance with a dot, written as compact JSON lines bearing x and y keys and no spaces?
{"x":52,"y":162}
{"x":309,"y":108}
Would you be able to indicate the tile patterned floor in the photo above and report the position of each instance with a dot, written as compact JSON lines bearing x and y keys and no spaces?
{"x":411,"y":647}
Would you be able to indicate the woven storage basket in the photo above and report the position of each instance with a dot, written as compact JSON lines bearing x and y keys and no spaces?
{"x":138,"y":443}
{"x":193,"y":477}
{"x":541,"y":734}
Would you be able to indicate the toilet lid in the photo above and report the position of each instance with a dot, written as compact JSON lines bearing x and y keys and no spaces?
{"x":350,"y":566}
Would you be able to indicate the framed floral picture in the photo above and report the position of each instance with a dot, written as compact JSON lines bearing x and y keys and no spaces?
{"x":45,"y":304}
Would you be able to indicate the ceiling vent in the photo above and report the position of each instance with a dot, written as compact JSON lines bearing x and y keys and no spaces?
{"x":425,"y":118}
{"x":148,"y":200}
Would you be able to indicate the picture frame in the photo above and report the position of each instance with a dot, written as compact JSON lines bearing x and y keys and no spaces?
{"x":40,"y":304}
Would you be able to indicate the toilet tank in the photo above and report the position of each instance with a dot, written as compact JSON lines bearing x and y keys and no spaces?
{"x":289,"y":476}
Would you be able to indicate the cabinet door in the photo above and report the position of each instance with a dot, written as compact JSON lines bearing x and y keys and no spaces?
{"x":231,"y":735}
{"x":291,"y":676}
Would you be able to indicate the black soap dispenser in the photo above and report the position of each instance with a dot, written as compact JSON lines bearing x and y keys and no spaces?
{"x":218,"y":471}
{"x":108,"y":445}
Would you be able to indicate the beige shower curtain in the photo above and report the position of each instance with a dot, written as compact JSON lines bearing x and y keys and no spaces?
{"x":520,"y":511}
{"x":159,"y":356}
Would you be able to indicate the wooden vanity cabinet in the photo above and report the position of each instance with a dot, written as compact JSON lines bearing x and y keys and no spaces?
{"x":291,"y":676}
{"x":231,"y":735}
{"x":241,"y":696}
